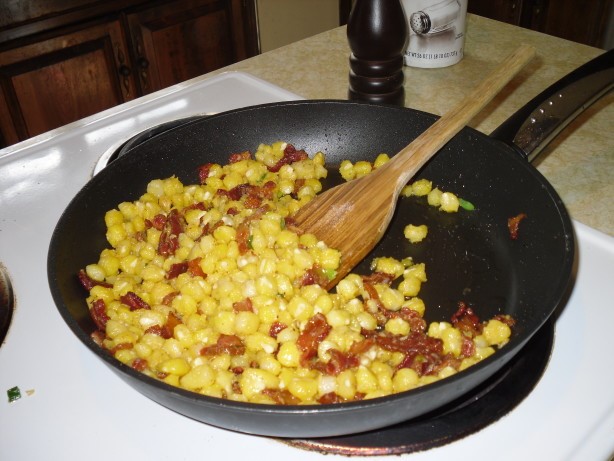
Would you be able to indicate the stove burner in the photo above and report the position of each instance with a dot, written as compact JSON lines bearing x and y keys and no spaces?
{"x":465,"y":416}
{"x":146,"y":135}
{"x":7,"y":302}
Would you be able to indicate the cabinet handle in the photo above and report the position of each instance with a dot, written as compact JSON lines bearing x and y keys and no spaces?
{"x":124,"y":71}
{"x":142,"y":63}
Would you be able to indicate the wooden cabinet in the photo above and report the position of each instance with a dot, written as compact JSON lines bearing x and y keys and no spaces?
{"x":577,"y":20}
{"x":93,"y":56}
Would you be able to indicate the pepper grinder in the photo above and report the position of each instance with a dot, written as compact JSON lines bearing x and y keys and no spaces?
{"x":377,"y":33}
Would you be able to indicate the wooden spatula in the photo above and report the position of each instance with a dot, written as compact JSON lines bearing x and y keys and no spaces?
{"x":353,"y":216}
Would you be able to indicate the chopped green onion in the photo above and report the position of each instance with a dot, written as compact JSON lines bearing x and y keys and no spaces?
{"x":466,"y":205}
{"x":330,"y":273}
{"x":13,"y":394}
{"x":250,"y":241}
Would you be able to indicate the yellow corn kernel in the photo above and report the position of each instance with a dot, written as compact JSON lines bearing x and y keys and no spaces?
{"x":259,"y":341}
{"x":114,"y":328}
{"x":289,"y":355}
{"x":449,"y":202}
{"x":225,"y":234}
{"x":113,"y":218}
{"x":346,"y":384}
{"x":404,"y":380}
{"x":116,"y":234}
{"x":300,"y":309}
{"x":183,"y":334}
{"x":421,"y":187}
{"x":197,"y":378}
{"x":254,"y":380}
{"x":362,"y":168}
{"x":410,"y":286}
{"x":303,"y":388}
{"x":415,"y":234}
{"x":246,"y":323}
{"x":391,"y":299}
{"x":176,"y":366}
{"x":109,"y":263}
{"x":224,"y":322}
{"x":397,"y":326}
{"x":153,"y":273}
{"x":416,"y":270}
{"x":95,"y":272}
{"x":415,"y":304}
{"x":366,"y":381}
{"x":338,"y":318}
{"x":184,"y":304}
{"x":346,"y":169}
{"x":388,"y":266}
{"x":434,"y":197}
{"x":126,"y":356}
{"x":496,"y":332}
{"x":380,"y":160}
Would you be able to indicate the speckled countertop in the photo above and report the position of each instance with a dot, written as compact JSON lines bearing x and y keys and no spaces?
{"x":579,"y":163}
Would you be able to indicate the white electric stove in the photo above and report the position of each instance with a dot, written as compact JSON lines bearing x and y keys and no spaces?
{"x":73,"y":407}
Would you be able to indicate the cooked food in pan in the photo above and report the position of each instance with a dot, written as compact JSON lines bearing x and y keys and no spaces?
{"x":210,"y":288}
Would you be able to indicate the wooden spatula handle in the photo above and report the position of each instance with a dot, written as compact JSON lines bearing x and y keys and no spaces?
{"x":411,"y":158}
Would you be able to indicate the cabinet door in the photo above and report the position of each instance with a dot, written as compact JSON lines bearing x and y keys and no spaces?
{"x":56,"y":81}
{"x":500,"y":10}
{"x":577,"y":20}
{"x":180,"y":40}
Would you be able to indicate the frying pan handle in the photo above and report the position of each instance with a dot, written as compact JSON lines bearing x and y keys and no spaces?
{"x":534,"y":125}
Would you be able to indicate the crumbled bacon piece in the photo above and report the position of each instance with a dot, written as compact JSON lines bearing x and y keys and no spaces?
{"x":196,"y":206}
{"x":234,"y":158}
{"x":139,"y":364}
{"x":466,"y":321}
{"x":243,"y":306}
{"x":378,"y":278}
{"x":226,"y":344}
{"x":416,"y":322}
{"x":281,"y":396}
{"x":267,"y":189}
{"x":121,"y":347}
{"x":513,"y":224}
{"x":314,"y":276}
{"x":194,"y":268}
{"x":291,"y":155}
{"x":88,"y":283}
{"x":331,"y":397}
{"x":168,"y":299}
{"x":275,"y":328}
{"x":338,"y":362}
{"x":169,"y":239}
{"x":158,"y":222}
{"x":204,"y":171}
{"x":176,"y":269}
{"x":98,"y":312}
{"x":507,"y":319}
{"x":98,"y":337}
{"x":316,"y":330}
{"x":243,"y":236}
{"x":168,"y":329}
{"x":209,"y":228}
{"x":134,"y":301}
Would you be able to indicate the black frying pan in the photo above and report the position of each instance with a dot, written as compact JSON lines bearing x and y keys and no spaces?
{"x":469,"y":255}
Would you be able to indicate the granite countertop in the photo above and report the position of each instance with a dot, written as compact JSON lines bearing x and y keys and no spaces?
{"x":579,"y":163}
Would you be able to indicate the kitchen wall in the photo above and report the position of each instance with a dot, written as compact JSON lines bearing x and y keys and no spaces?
{"x":281,"y":22}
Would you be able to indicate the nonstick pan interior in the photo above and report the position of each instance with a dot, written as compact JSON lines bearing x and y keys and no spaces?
{"x":469,"y":255}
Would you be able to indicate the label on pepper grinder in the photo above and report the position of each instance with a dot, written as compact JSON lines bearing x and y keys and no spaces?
{"x":436,"y":32}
